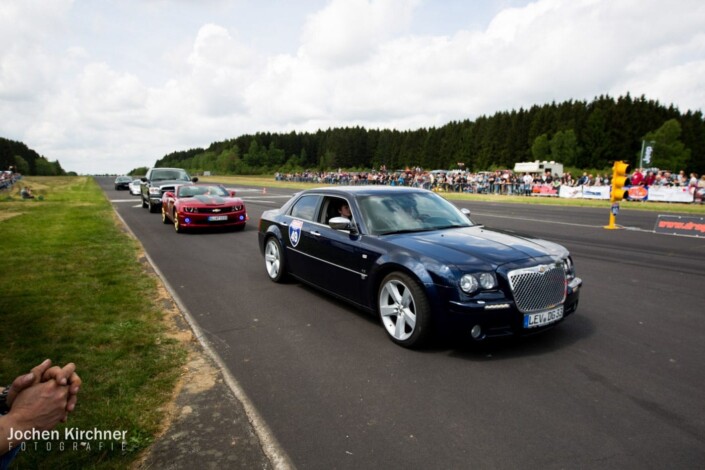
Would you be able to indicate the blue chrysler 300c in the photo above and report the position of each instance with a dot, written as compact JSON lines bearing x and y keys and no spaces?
{"x":418,"y":262}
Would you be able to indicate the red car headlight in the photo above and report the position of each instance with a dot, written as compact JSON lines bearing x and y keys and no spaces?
{"x":189,"y":209}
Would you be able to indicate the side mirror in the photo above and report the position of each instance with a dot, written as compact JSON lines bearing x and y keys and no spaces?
{"x":466,"y":212}
{"x":342,"y":223}
{"x":195,"y":179}
{"x":143,"y":179}
{"x":232,"y":193}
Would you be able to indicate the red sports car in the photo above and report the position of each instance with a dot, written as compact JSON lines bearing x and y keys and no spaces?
{"x":203,"y":205}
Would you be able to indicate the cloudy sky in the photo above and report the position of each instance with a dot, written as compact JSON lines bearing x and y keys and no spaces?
{"x":105,"y":86}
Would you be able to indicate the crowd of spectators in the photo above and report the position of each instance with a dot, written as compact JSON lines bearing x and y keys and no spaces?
{"x":488,"y":182}
{"x":8,"y":178}
{"x":494,"y":182}
{"x":483,"y":182}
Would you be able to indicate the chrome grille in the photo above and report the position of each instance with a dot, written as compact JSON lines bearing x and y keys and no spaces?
{"x":538,"y":287}
{"x":164,"y":189}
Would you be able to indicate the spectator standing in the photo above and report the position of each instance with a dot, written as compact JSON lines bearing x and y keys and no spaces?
{"x":681,"y":179}
{"x":700,"y":190}
{"x":637,"y":178}
{"x":527,"y":181}
{"x":649,"y":179}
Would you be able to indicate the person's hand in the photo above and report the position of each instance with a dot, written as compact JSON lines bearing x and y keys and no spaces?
{"x":41,"y":406}
{"x":25,"y":381}
{"x":65,"y":376}
{"x":43,"y":372}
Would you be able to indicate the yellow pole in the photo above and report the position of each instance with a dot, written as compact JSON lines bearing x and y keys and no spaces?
{"x":613,"y":210}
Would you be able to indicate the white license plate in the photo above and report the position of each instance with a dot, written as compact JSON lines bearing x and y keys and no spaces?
{"x":533,"y":320}
{"x":215,"y":218}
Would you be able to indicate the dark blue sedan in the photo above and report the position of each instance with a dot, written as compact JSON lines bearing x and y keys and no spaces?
{"x":418,"y":262}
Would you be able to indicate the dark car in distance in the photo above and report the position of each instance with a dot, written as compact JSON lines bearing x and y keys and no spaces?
{"x":122,"y":182}
{"x":203,"y":205}
{"x":157,"y":181}
{"x":419,"y":262}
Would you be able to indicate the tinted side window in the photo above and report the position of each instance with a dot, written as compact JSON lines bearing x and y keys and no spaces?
{"x":305,"y":208}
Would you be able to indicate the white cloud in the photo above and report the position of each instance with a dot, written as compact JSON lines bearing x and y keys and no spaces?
{"x":347,"y":31}
{"x":99,"y":103}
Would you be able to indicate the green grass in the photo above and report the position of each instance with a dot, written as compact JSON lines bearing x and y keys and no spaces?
{"x":74,"y":290}
{"x":697,"y":209}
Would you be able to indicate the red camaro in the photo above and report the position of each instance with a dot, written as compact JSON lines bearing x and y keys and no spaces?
{"x":203,"y":205}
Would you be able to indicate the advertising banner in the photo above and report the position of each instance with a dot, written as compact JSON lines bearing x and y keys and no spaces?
{"x":570,"y":192}
{"x":680,"y":225}
{"x":637,"y":193}
{"x":596,"y":192}
{"x":670,"y":194}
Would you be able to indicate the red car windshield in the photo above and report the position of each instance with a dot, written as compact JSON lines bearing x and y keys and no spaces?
{"x":202,"y":190}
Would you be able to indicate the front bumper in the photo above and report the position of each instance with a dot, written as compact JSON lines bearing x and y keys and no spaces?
{"x":500,"y":317}
{"x":196,"y":220}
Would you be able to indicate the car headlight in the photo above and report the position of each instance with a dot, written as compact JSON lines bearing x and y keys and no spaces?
{"x":569,"y":268}
{"x":188,"y":209}
{"x":487,"y":281}
{"x":471,"y":283}
{"x":155,"y":191}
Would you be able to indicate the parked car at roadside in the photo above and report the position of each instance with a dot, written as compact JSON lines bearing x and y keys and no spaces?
{"x":157,"y":181}
{"x":122,"y":182}
{"x":203,"y":205}
{"x":419,"y":263}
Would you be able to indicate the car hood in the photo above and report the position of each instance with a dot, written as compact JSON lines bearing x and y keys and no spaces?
{"x":206,"y":200}
{"x":473,"y":246}
{"x":170,"y":183}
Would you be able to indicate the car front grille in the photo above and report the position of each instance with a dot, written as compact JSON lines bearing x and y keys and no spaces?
{"x":165,"y":189}
{"x":219,"y":210}
{"x":538,"y":287}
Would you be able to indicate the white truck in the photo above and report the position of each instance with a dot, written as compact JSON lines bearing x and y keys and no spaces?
{"x":539,"y":167}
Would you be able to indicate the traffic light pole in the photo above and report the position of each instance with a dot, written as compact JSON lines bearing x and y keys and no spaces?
{"x":620,"y":171}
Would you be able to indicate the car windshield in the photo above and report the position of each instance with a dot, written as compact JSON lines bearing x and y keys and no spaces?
{"x":409,"y":212}
{"x":175,"y":175}
{"x":202,"y":190}
{"x":123,"y":179}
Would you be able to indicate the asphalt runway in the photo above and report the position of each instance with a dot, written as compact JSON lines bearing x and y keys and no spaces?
{"x":617,"y":385}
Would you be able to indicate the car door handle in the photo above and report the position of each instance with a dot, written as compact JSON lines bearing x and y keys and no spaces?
{"x":315,"y":233}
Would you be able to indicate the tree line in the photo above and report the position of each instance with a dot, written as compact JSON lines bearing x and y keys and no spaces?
{"x":579,"y":134}
{"x":26,"y":161}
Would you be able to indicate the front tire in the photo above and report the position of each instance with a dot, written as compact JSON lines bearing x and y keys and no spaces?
{"x":177,"y":225}
{"x":404,"y":310}
{"x":152,"y":207}
{"x":274,"y":262}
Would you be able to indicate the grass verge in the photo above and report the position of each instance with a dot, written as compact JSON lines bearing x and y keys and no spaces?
{"x":697,"y":209}
{"x":76,"y":289}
